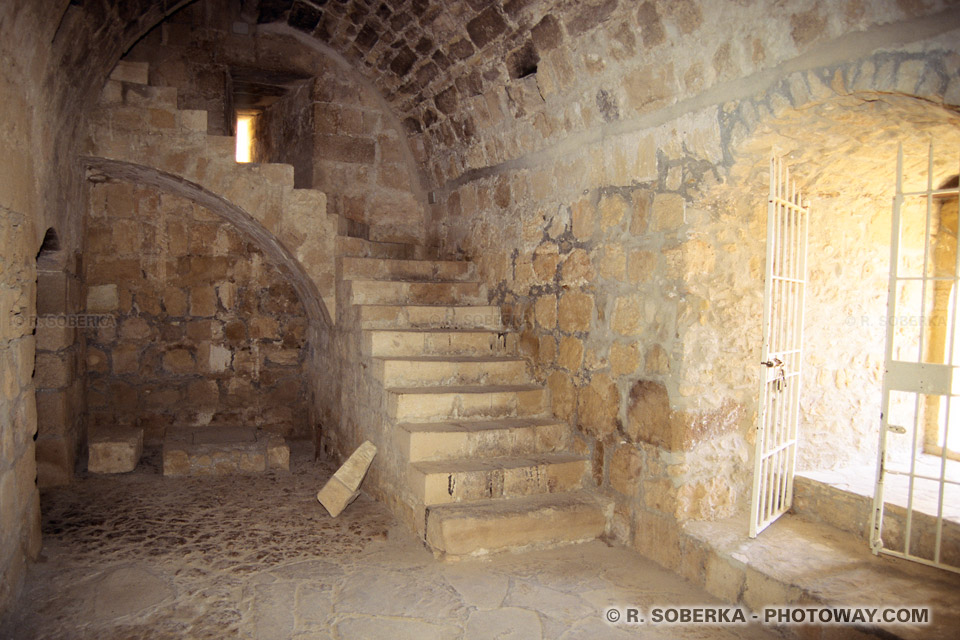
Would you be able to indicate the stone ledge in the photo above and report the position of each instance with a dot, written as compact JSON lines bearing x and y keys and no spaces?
{"x":797,"y":562}
{"x":224,"y":450}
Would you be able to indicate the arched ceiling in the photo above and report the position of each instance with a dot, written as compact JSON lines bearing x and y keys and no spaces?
{"x":407,"y":46}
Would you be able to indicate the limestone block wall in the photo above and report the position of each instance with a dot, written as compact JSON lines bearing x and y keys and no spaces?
{"x":603,"y":197}
{"x":19,"y":496}
{"x":55,"y":60}
{"x":59,"y":366}
{"x":198,"y":328}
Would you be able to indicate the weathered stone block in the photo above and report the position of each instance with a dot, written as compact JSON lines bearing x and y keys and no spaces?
{"x":52,"y":411}
{"x":575,"y":311}
{"x":486,"y":27}
{"x":563,"y":394}
{"x":625,"y":468}
{"x":624,"y":358}
{"x":179,"y":361}
{"x":343,"y":487}
{"x":667,"y":212}
{"x":599,"y":407}
{"x":55,"y":370}
{"x":54,"y":338}
{"x":658,"y":538}
{"x":650,"y":419}
{"x":114,"y":450}
{"x":627,"y":317}
{"x":570,"y":354}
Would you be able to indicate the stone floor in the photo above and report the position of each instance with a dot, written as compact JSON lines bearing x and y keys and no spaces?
{"x":143,"y":556}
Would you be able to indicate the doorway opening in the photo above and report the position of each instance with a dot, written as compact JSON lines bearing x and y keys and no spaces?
{"x":842,"y":152}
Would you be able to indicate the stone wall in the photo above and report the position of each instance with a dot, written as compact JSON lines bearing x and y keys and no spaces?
{"x":199,"y":329}
{"x":22,"y":165}
{"x":607,"y":202}
{"x":56,"y":57}
{"x":58,"y":371}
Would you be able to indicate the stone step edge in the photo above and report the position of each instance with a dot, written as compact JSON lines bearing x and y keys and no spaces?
{"x":492,"y":518}
{"x":483,"y":425}
{"x":464,"y":389}
{"x":475,"y":465}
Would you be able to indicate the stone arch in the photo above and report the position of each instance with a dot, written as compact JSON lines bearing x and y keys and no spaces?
{"x":841,"y":140}
{"x":280,"y":256}
{"x":322,"y":393}
{"x":929,"y":77}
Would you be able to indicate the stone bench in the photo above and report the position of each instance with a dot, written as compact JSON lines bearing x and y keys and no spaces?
{"x":114,"y":449}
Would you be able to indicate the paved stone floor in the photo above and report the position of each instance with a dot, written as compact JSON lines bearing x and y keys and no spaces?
{"x":143,"y":556}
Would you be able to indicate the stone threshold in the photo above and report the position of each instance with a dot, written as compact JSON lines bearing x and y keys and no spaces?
{"x":797,"y":562}
{"x":843,"y":498}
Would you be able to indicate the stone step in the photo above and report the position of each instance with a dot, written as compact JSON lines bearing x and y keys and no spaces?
{"x":424,"y":404}
{"x":274,"y":172}
{"x":448,"y":370}
{"x":222,"y":147}
{"x":403,"y":316}
{"x":467,"y":480}
{"x":437,"y":342}
{"x":137,"y":72}
{"x":377,"y":268}
{"x":407,"y":292}
{"x":138,"y":95}
{"x":358,"y":247}
{"x":163,"y":123}
{"x":500,"y":525}
{"x":422,"y":441}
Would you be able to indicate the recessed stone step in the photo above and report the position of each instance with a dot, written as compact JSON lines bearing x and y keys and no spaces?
{"x":427,"y":342}
{"x":501,"y":525}
{"x":222,"y":147}
{"x":275,"y":172}
{"x":450,"y":370}
{"x":372,"y":268}
{"x":423,"y":441}
{"x":412,"y":292}
{"x":125,"y":71}
{"x":463,"y":480}
{"x":400,"y":316}
{"x":359,"y":247}
{"x":222,"y":450}
{"x":442,"y":403}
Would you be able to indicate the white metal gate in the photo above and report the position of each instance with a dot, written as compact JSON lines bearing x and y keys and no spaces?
{"x":916,"y":505}
{"x":781,"y":353}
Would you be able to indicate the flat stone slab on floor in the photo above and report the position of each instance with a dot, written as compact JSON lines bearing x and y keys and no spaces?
{"x":799,"y":562}
{"x":223,"y":451}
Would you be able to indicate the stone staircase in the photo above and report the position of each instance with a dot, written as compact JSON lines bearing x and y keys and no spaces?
{"x":138,"y":132}
{"x":486,"y":467}
{"x":470,"y":455}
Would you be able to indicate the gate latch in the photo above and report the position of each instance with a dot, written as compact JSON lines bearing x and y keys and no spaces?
{"x":781,"y":374}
